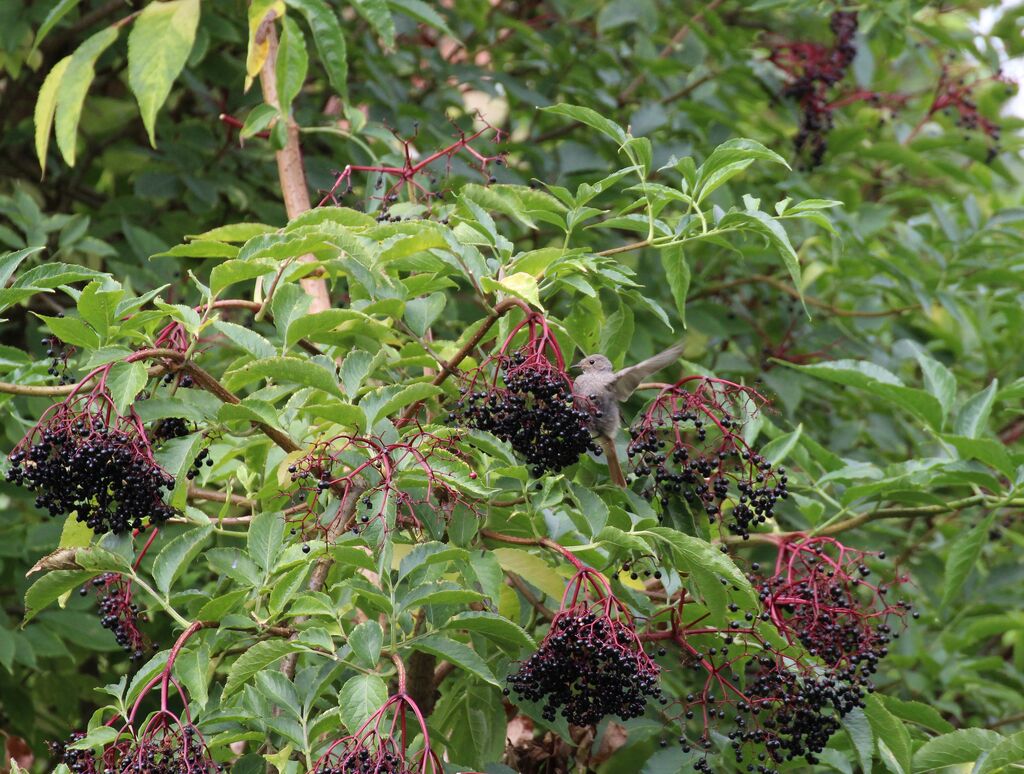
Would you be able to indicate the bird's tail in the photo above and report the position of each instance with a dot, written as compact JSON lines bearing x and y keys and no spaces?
{"x":612,"y":456}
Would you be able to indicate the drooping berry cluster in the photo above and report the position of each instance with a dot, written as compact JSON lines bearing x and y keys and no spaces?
{"x":392,"y":181}
{"x":688,"y":444}
{"x":591,"y":664}
{"x":955,"y":95}
{"x":58,"y":352}
{"x":78,"y":761}
{"x":119,"y":613}
{"x":406,"y":483}
{"x":776,"y":684}
{"x":533,"y":408}
{"x":84,"y":458}
{"x":379,"y":745}
{"x":820,"y":595}
{"x":169,"y":428}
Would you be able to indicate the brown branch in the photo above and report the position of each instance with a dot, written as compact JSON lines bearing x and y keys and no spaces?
{"x":39,"y":390}
{"x":290,"y":169}
{"x":523,"y":589}
{"x":674,"y":43}
{"x":789,"y":290}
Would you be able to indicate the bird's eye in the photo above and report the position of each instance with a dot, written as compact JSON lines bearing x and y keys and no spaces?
{"x":591,"y":361}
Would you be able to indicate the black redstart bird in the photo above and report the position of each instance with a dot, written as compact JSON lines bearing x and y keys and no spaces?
{"x":603,"y":386}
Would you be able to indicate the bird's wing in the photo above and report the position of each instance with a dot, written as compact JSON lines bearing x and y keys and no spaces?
{"x":628,"y":379}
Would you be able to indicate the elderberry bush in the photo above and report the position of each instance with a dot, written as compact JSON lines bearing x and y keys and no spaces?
{"x":119,"y":613}
{"x":588,"y":666}
{"x":362,"y":760}
{"x":535,"y":413}
{"x":78,"y":761}
{"x":105,"y":475}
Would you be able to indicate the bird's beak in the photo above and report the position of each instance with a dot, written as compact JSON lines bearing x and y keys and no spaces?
{"x":576,"y":366}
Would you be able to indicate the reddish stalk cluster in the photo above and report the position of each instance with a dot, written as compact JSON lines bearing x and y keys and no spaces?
{"x":84,"y":457}
{"x":119,"y":613}
{"x":381,"y":744}
{"x":166,"y":743}
{"x":776,"y":685}
{"x":523,"y":395}
{"x":812,"y":70}
{"x":392,"y":180}
{"x":954,"y":94}
{"x":819,"y":595}
{"x":688,"y":444}
{"x":403,"y":483}
{"x":591,"y":663}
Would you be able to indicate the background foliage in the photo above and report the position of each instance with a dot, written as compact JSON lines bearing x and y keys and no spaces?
{"x":877,"y":306}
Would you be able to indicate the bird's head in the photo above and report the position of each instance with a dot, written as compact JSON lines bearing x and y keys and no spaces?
{"x":594,"y":363}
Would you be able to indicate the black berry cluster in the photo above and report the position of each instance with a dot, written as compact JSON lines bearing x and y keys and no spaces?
{"x":535,"y":412}
{"x":688,"y":445}
{"x":78,"y":761}
{"x":119,"y":613}
{"x":76,"y":463}
{"x":591,"y":664}
{"x":813,"y":69}
{"x":161,"y":748}
{"x":169,"y":428}
{"x":359,"y":759}
{"x":58,"y":352}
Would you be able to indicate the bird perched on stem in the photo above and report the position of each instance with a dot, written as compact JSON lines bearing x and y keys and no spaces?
{"x":603,"y":387}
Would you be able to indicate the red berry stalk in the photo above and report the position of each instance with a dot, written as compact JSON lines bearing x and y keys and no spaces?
{"x":522,"y":394}
{"x":591,"y":663}
{"x":402,"y":483}
{"x":393,"y":179}
{"x":688,"y":444}
{"x":167,"y":742}
{"x":381,"y":744}
{"x":820,"y":596}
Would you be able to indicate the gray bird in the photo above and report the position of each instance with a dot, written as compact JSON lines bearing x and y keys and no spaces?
{"x":604,"y":387}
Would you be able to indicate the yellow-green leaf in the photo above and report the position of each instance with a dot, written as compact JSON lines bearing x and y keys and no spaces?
{"x":73,"y":87}
{"x":45,"y":107}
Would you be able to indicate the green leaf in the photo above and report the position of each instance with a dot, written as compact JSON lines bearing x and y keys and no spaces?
{"x":460,"y":655}
{"x":265,"y":538}
{"x":880,"y":382}
{"x":916,"y":712}
{"x":230,"y":272}
{"x":46,"y":105}
{"x":260,"y":656}
{"x":73,"y":87}
{"x":366,"y":640}
{"x":45,"y":591}
{"x":329,"y":41}
{"x":964,"y":745}
{"x":360,"y":697}
{"x":377,"y":14}
{"x":755,"y":220}
{"x":176,"y":457}
{"x":284,"y":371}
{"x":521,"y":285}
{"x":728,"y":160}
{"x":531,"y":568}
{"x":386,"y":401}
{"x":1008,"y":752}
{"x":856,"y":724}
{"x":246,"y":339}
{"x":177,"y":555}
{"x":890,"y":732}
{"x":158,"y":47}
{"x":973,"y":415}
{"x":423,"y":12}
{"x":420,"y":313}
{"x":192,"y":667}
{"x":677,"y":272}
{"x":58,"y":12}
{"x":71,"y":330}
{"x":10,"y":261}
{"x":234,"y":232}
{"x":692,"y":552}
{"x":591,"y":118}
{"x":441,"y":593}
{"x":125,"y":381}
{"x":938,"y":380}
{"x":963,"y":555}
{"x":292,"y":64}
{"x":492,"y":626}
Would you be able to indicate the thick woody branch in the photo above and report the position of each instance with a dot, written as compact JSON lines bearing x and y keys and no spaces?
{"x":290,"y":170}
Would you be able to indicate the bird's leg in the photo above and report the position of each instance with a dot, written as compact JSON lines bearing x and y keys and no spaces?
{"x":612,"y":456}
